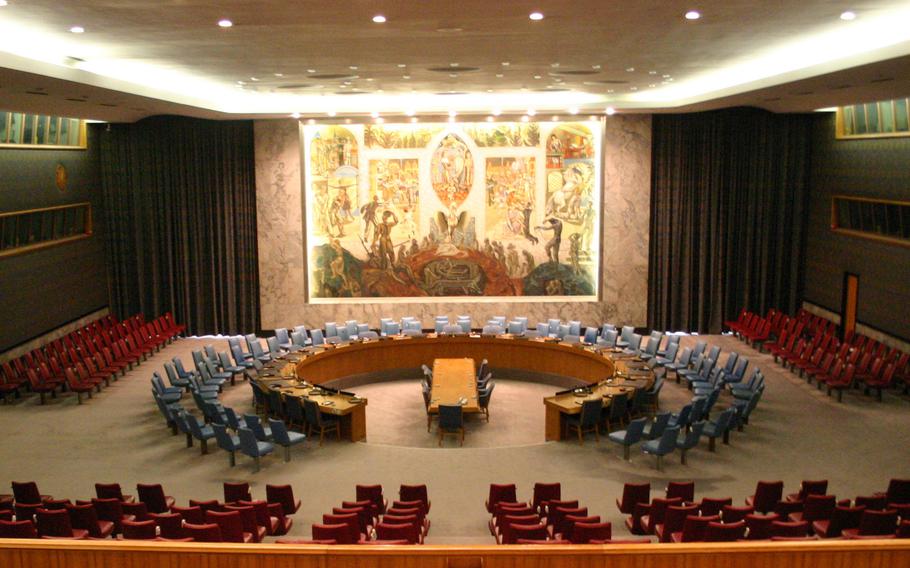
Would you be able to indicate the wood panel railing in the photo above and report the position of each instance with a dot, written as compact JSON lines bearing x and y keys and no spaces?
{"x":15,"y":553}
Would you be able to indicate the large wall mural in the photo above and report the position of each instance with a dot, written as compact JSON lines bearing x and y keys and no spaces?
{"x":398,"y":211}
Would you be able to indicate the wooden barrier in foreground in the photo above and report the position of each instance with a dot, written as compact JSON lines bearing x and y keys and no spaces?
{"x":17,"y":553}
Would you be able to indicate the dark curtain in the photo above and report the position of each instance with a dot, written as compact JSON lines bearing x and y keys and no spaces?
{"x":728,"y":206}
{"x":180,"y":213}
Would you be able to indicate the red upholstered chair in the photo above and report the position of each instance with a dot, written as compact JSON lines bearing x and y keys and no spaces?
{"x":759,"y":526}
{"x":154,"y":498}
{"x":139,"y":530}
{"x":568,"y":522}
{"x":842,"y":518}
{"x":547,"y":542}
{"x":723,"y":532}
{"x":685,"y":490}
{"x":57,"y":523}
{"x":622,"y":541}
{"x":304,"y":541}
{"x":398,"y":531}
{"x":903,"y":529}
{"x":209,"y":505}
{"x":352,"y":521}
{"x":384,"y":542}
{"x":365,"y":514}
{"x":731,"y":514}
{"x":633,"y":493}
{"x":26,"y":511}
{"x":231,"y":525}
{"x":694,"y":529}
{"x":39,"y":385}
{"x":898,"y":491}
{"x":415,"y":510}
{"x":557,"y":512}
{"x":871,"y":523}
{"x":656,"y":513}
{"x":337,"y":532}
{"x":544,"y":493}
{"x":529,"y":532}
{"x":6,"y":515}
{"x":170,"y":525}
{"x":674,"y":518}
{"x":710,"y":506}
{"x":111,"y":491}
{"x":57,"y":504}
{"x":270,"y":516}
{"x":194,"y":515}
{"x":877,"y":502}
{"x":249,"y":521}
{"x":560,"y":528}
{"x":767,"y":494}
{"x":112,"y":510}
{"x":27,"y":492}
{"x":502,"y":509}
{"x":809,"y":487}
{"x":86,"y":517}
{"x":789,"y":528}
{"x":504,"y":533}
{"x":583,"y":533}
{"x":815,"y":508}
{"x":283,"y":494}
{"x":373,"y":494}
{"x":415,"y":493}
{"x":18,"y":529}
{"x":500,"y":492}
{"x":234,"y":492}
{"x":209,"y":532}
{"x":138,"y":511}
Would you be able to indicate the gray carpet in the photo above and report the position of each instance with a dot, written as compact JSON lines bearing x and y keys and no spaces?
{"x":796,"y":433}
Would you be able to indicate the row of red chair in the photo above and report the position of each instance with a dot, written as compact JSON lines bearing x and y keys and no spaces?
{"x":155,"y":516}
{"x":546,"y":518}
{"x":807,"y":514}
{"x":85,"y":358}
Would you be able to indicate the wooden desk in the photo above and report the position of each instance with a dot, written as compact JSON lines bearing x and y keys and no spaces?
{"x":625,"y":381}
{"x":454,"y":381}
{"x":323,"y":364}
{"x":350,"y":409}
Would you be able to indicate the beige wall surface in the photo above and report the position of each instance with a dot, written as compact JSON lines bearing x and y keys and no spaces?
{"x":624,"y":278}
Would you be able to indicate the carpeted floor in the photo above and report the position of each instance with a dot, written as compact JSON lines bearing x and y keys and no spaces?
{"x":796,"y":433}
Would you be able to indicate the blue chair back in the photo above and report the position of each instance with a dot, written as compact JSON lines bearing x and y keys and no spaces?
{"x":671,"y":351}
{"x":331,"y":329}
{"x":465,"y":325}
{"x":609,"y":339}
{"x":553,"y":325}
{"x":691,"y":439}
{"x":590,"y":335}
{"x":730,"y":365}
{"x":317,"y":338}
{"x":515,"y":328}
{"x":450,"y":417}
{"x":699,"y":349}
{"x":634,"y":430}
{"x":659,"y":424}
{"x":543,"y":329}
{"x":282,"y":335}
{"x":574,"y":327}
{"x":225,"y":441}
{"x":351,"y":326}
{"x":562,"y":331}
{"x":667,"y":441}
{"x":279,"y":432}
{"x":248,"y":443}
{"x":298,"y":339}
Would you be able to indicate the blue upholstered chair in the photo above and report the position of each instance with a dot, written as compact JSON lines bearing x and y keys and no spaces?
{"x":452,"y":329}
{"x":252,"y":447}
{"x":274,"y":348}
{"x":362,"y":328}
{"x":483,"y":398}
{"x":515,"y":328}
{"x":669,"y":356}
{"x":575,"y":327}
{"x":720,"y":428}
{"x":283,"y":337}
{"x":451,"y":421}
{"x":607,"y":340}
{"x":587,"y":420}
{"x":657,"y":426}
{"x":393,"y":328}
{"x":591,"y":335}
{"x":351,"y":326}
{"x":262,"y":433}
{"x":181,"y":372}
{"x":167,"y":394}
{"x":492,"y":330}
{"x":383,"y":322}
{"x":634,"y":347}
{"x":671,"y":341}
{"x":500,"y":320}
{"x":299,"y":340}
{"x":258,"y":353}
{"x":562,"y":330}
{"x":226,"y":365}
{"x":625,"y":337}
{"x":172,"y":377}
{"x":553,"y":325}
{"x":631,"y":435}
{"x":235,"y":341}
{"x":523,"y":321}
{"x":227,"y":442}
{"x":234,"y":422}
{"x":317,"y":337}
{"x":662,"y":446}
{"x":367,"y":334}
{"x":239,"y":358}
{"x":331,"y":329}
{"x":650,"y":350}
{"x":282,"y":437}
{"x":465,"y":324}
{"x":543,"y":329}
{"x":689,"y":440}
{"x":203,"y":433}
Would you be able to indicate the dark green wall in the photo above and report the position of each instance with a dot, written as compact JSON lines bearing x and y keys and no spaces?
{"x":44,"y":289}
{"x":869,"y":168}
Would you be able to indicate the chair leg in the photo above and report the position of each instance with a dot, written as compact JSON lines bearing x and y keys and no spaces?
{"x":321,"y":436}
{"x":287,"y":454}
{"x":682,"y":457}
{"x":256,"y":462}
{"x":232,"y":459}
{"x":189,"y":441}
{"x":727,"y":436}
{"x":627,"y":452}
{"x":462,"y":436}
{"x":41,"y":396}
{"x":660,"y":463}
{"x":581,"y":439}
{"x":711,"y":444}
{"x":439,"y":443}
{"x":204,"y":447}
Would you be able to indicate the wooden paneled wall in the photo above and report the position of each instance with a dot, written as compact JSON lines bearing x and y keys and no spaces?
{"x":136,"y":554}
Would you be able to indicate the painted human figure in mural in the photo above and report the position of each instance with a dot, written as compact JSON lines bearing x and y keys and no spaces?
{"x":386,"y":248}
{"x":552,"y":246}
{"x":526,"y":222}
{"x":575,"y":252}
{"x":554,"y":145}
{"x":368,"y":212}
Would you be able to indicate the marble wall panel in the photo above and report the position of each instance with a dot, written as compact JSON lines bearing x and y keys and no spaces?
{"x":624,"y":281}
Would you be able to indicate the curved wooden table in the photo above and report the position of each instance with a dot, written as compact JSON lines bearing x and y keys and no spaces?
{"x":322,"y":365}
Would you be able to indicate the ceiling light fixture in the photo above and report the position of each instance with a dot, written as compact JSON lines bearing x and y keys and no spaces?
{"x":310,"y":70}
{"x":848,"y":16}
{"x":409,"y":112}
{"x":379,"y":120}
{"x":279,"y":74}
{"x":573,"y":110}
{"x":535,"y":16}
{"x":610,"y":111}
{"x":225,"y":23}
{"x":295,"y":115}
{"x":413,"y":119}
{"x":405,"y":76}
{"x":374,"y":114}
{"x":77,"y":29}
{"x":496,"y":112}
{"x":531,"y":112}
{"x":331,"y":113}
{"x":254,"y":78}
{"x":554,"y":118}
{"x":452,"y":114}
{"x":506,"y":63}
{"x":499,"y":75}
{"x":402,"y":65}
{"x":490,"y":119}
{"x":2,"y":3}
{"x":379,"y":19}
{"x":630,"y":69}
{"x":693,"y":15}
{"x":525,"y":118}
{"x":352,"y":67}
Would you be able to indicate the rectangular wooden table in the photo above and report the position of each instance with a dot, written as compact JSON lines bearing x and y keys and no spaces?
{"x":454,"y":383}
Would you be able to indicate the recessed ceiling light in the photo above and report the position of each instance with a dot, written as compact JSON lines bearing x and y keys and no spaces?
{"x":295,"y":115}
{"x":490,"y":119}
{"x":409,"y":113}
{"x":499,"y":75}
{"x":506,"y":63}
{"x":405,"y":76}
{"x":652,"y":72}
{"x":611,"y":111}
{"x":311,"y":121}
{"x":537,"y":76}
{"x":554,"y":65}
{"x":496,"y":112}
{"x":531,"y":112}
{"x":452,"y":114}
{"x":225,"y":23}
{"x":279,"y":74}
{"x":489,"y":90}
{"x":611,"y":90}
{"x":453,"y":75}
{"x":525,"y":118}
{"x":254,"y":78}
{"x":347,"y":82}
{"x":369,"y":78}
{"x":453,"y":64}
{"x":451,"y":119}
{"x":379,"y":120}
{"x":693,"y":15}
{"x":310,"y":70}
{"x":347,"y":121}
{"x":413,"y":119}
{"x":402,"y":65}
{"x":379,"y":19}
{"x":77,"y":29}
{"x":848,"y":16}
{"x":331,"y":113}
{"x":554,"y":118}
{"x":374,"y":114}
{"x":630,"y":69}
{"x":536,"y":16}
{"x":595,"y":66}
{"x":352,"y":67}
{"x":241,"y":82}
{"x":573,"y":110}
